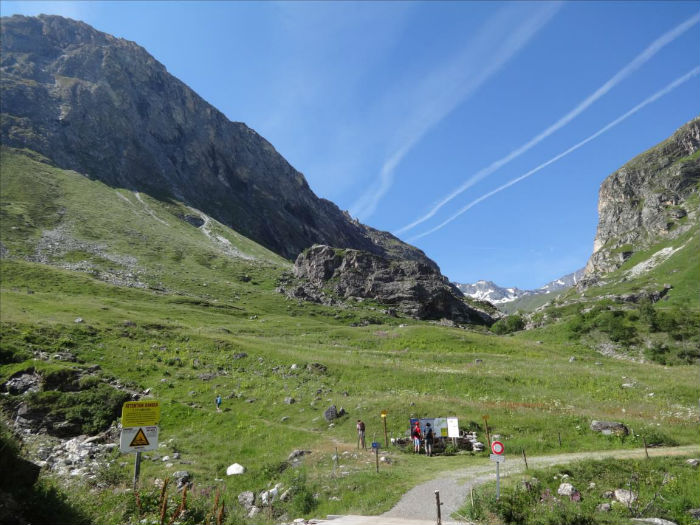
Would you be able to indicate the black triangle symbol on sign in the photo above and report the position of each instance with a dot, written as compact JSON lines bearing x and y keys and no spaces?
{"x":139,"y":439}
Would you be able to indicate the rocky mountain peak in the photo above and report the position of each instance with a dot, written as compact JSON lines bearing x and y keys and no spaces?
{"x":326,"y":274}
{"x":646,"y":201}
{"x":104,"y":107}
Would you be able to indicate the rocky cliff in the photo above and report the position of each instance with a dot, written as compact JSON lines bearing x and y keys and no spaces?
{"x":104,"y":107}
{"x":651,"y":198}
{"x":324,"y":273}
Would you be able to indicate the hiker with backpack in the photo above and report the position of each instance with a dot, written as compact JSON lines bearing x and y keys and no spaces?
{"x":429,"y":437}
{"x":361,"y":434}
{"x":416,"y":435}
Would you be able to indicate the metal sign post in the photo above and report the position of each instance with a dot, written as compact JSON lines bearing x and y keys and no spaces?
{"x":375,"y":446}
{"x":497,"y":448}
{"x":498,"y":481}
{"x":139,"y":430}
{"x":137,"y":469}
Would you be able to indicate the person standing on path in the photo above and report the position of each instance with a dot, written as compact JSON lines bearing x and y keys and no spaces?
{"x":218,"y":402}
{"x":361,"y":434}
{"x":416,"y":435}
{"x":429,"y":437}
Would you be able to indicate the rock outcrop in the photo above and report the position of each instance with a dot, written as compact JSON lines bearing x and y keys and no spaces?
{"x":104,"y":107}
{"x":647,"y":201}
{"x":412,"y":287}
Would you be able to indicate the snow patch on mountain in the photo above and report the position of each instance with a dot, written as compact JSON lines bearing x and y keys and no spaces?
{"x":491,"y":292}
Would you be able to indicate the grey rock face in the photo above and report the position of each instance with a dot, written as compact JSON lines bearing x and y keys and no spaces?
{"x":645,"y":201}
{"x":412,"y":287}
{"x":104,"y":107}
{"x":23,"y":383}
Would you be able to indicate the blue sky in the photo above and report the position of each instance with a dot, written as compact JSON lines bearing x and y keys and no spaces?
{"x":478,"y":131}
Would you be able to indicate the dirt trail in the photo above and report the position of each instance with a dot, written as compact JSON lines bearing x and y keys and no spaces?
{"x":454,"y":486}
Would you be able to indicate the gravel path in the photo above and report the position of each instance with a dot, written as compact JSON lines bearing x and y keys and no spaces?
{"x":454,"y":486}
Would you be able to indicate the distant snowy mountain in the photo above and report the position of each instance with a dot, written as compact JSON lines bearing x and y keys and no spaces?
{"x":491,"y":292}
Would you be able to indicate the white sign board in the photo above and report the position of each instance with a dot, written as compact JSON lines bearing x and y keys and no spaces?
{"x":497,"y":458}
{"x":138,"y":439}
{"x":452,"y":427}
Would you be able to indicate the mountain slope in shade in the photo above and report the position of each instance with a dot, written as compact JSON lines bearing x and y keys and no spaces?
{"x":104,"y":107}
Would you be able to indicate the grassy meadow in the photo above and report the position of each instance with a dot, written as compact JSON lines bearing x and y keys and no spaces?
{"x":166,"y":307}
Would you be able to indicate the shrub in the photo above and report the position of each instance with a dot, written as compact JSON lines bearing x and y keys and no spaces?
{"x":507,"y":325}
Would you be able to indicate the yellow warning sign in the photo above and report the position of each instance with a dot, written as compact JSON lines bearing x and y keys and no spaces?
{"x":140,"y":413}
{"x":139,"y":440}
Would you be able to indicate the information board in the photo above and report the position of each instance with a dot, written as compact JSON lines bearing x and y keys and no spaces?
{"x":140,"y":413}
{"x":452,"y":427}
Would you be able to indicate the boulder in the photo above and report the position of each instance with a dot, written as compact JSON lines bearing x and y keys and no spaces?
{"x":235,"y":469}
{"x":604,"y":507}
{"x":692,"y":462}
{"x":413,"y":287}
{"x":566,"y":489}
{"x":246,"y":499}
{"x":331,"y":413}
{"x":182,"y":478}
{"x":624,"y":496}
{"x":297,"y":454}
{"x":609,"y":427}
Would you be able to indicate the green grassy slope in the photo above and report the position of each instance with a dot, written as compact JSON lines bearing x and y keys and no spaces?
{"x":193,"y":309}
{"x":666,"y":331}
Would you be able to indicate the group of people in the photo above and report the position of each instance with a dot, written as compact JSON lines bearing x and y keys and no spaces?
{"x":417,"y":436}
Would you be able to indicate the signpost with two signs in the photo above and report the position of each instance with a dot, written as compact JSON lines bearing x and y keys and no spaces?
{"x":139,"y":430}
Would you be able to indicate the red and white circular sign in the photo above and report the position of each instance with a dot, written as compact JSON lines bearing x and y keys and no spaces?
{"x":497,"y":447}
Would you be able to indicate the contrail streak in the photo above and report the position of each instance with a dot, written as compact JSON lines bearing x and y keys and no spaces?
{"x":637,"y":62}
{"x":448,"y":86}
{"x":673,"y":85}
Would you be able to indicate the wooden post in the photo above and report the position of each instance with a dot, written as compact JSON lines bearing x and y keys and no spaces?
{"x":437,"y":503}
{"x":559,"y":439}
{"x":376,"y":456}
{"x":137,"y":469}
{"x":488,"y":434}
{"x":645,"y":447}
{"x":525,"y":459}
{"x":386,"y":438}
{"x":471,"y":496}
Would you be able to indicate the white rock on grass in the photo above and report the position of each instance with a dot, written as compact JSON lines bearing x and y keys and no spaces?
{"x":625,"y":496}
{"x":566,"y":489}
{"x":653,"y":521}
{"x":235,"y":469}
